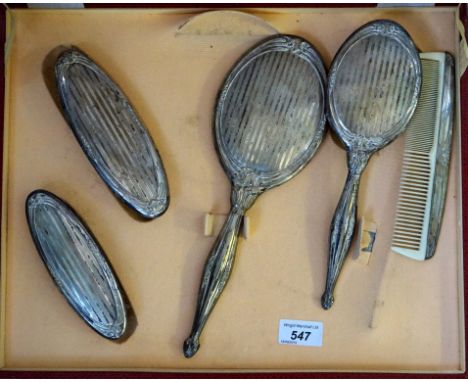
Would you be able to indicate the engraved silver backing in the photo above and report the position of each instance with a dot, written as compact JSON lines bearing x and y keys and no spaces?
{"x":269,"y":121}
{"x":270,"y":113}
{"x":111,"y":135}
{"x":373,"y":90}
{"x":374,"y":83}
{"x":78,"y":265}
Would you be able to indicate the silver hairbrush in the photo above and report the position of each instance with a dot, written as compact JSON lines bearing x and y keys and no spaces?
{"x":78,"y":266}
{"x":110,"y":133}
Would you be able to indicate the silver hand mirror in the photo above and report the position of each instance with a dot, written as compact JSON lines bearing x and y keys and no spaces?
{"x":373,"y":89}
{"x":269,"y":121}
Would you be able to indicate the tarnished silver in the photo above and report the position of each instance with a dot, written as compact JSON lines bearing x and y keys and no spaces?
{"x":111,"y":134}
{"x":373,"y":89}
{"x":269,"y":121}
{"x":79,"y":266}
{"x":442,"y":157}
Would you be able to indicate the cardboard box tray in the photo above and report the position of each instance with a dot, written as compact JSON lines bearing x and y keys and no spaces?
{"x":172,"y":79}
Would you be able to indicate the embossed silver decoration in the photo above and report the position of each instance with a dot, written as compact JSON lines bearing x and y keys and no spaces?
{"x":111,"y":135}
{"x":373,"y":89}
{"x":442,"y":168}
{"x":269,"y":121}
{"x":78,"y":266}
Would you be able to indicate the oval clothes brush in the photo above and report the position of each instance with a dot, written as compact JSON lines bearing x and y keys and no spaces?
{"x":373,"y":89}
{"x":78,"y":266}
{"x":269,"y":121}
{"x":111,"y":135}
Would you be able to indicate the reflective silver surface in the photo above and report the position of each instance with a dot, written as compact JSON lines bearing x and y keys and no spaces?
{"x":373,"y":88}
{"x":110,"y":133}
{"x":269,"y":122}
{"x":78,"y":265}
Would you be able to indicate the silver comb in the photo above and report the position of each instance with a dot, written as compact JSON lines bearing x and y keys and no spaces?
{"x":424,"y":176}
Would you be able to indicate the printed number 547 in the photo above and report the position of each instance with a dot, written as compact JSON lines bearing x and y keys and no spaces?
{"x":303,"y":336}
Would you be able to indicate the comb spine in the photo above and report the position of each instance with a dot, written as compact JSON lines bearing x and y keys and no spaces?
{"x":447,"y":88}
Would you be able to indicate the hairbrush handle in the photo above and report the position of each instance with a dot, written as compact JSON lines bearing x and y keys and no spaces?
{"x":219,"y":265}
{"x":342,"y":226}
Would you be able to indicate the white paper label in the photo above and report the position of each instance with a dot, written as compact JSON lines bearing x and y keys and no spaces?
{"x":301,"y":333}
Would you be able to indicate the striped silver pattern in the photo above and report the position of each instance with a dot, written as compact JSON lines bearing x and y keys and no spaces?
{"x":77,"y":264}
{"x":376,"y":86}
{"x":271,"y":113}
{"x":269,"y":121}
{"x":110,"y":133}
{"x":373,"y":90}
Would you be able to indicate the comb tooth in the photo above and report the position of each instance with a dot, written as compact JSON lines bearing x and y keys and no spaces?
{"x":408,"y":223}
{"x":413,"y":219}
{"x":411,"y":214}
{"x":411,"y":223}
{"x":409,"y":229}
{"x":405,"y":232}
{"x":405,"y":245}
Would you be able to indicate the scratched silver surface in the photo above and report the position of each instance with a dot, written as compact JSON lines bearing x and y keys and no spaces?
{"x":373,"y":88}
{"x":372,"y":99}
{"x":442,"y":170}
{"x":110,"y":133}
{"x":77,"y":264}
{"x":374,"y":85}
{"x":270,"y":113}
{"x":270,"y":119}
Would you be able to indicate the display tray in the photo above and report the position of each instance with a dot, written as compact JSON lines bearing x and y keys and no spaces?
{"x":172,"y":74}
